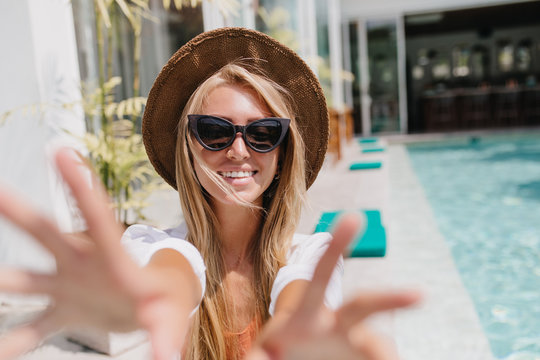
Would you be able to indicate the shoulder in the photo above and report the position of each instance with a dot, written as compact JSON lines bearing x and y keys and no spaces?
{"x":142,"y":241}
{"x":308,"y":248}
{"x":303,"y":257}
{"x":150,"y":234}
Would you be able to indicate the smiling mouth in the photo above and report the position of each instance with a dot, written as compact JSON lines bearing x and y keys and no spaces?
{"x":237,"y":174}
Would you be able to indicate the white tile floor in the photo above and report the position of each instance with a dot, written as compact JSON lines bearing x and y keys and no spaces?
{"x":445,"y":325}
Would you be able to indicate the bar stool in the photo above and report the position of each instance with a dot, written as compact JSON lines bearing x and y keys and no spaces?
{"x":475,"y":109}
{"x":531,"y":105}
{"x":506,"y":112}
{"x":440,"y":112}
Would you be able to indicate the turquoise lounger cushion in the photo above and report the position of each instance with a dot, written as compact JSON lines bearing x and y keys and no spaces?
{"x":370,"y":243}
{"x":367,"y":140}
{"x":363,"y":165}
{"x":372,"y":149}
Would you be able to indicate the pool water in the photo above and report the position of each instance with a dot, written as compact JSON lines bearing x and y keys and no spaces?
{"x":485,"y":195}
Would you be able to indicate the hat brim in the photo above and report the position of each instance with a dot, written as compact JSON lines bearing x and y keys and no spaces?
{"x":199,"y":59}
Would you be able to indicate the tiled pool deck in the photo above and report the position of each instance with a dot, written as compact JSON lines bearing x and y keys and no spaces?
{"x":444,"y":326}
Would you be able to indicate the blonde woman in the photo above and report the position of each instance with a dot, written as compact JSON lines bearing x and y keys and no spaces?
{"x":237,"y":123}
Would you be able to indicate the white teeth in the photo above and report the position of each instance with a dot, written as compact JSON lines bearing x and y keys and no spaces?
{"x":237,"y":174}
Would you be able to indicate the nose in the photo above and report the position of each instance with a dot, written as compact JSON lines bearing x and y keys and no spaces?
{"x":238,"y":149}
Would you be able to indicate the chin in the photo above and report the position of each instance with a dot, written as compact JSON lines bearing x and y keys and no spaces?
{"x":245,"y":198}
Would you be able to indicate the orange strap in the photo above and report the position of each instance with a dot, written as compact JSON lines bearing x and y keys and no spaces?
{"x":243,"y":340}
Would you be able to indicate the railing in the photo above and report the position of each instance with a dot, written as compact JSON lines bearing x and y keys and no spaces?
{"x":462,"y":109}
{"x":341,"y":129}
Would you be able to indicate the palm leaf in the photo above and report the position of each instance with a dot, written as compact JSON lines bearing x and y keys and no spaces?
{"x":125,"y":9}
{"x":104,"y":12}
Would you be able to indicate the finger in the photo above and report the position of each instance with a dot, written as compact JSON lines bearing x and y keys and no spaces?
{"x":25,"y":282}
{"x":344,"y":232}
{"x":167,"y":329}
{"x":103,"y":230}
{"x":93,"y":202}
{"x":372,"y":346}
{"x":21,"y":340}
{"x":364,"y":305}
{"x":257,"y":354}
{"x":162,"y":345}
{"x":38,"y":226}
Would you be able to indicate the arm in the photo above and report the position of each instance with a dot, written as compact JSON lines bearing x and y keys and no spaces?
{"x":168,"y":264}
{"x":306,"y":329}
{"x":289,"y":298}
{"x":97,"y":284}
{"x":175,"y":267}
{"x":293,"y":279}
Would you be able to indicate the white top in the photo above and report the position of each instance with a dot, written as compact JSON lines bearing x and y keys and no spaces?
{"x":143,"y":241}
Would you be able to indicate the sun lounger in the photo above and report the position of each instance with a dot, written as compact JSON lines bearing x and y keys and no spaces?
{"x":364,"y":165}
{"x":370,"y":243}
{"x":372,"y":149}
{"x":367,"y":140}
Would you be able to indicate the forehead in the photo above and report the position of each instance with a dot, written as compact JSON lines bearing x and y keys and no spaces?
{"x":236,"y":103}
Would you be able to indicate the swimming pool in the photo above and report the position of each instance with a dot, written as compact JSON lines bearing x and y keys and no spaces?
{"x":485,"y":195}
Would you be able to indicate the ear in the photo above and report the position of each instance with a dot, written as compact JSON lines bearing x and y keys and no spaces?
{"x":277,"y":174}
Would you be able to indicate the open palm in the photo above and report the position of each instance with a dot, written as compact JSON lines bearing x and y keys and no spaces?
{"x":96,"y":283}
{"x":314,"y":332}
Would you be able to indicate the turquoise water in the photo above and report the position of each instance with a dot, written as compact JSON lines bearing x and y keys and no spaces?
{"x":485,"y":194}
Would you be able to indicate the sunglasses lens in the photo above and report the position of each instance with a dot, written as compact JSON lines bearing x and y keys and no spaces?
{"x":264,"y":134}
{"x":215,"y":133}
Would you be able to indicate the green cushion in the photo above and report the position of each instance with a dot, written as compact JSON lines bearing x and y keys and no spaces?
{"x":372,"y":149}
{"x":367,"y":140}
{"x":370,"y":243}
{"x":363,"y":165}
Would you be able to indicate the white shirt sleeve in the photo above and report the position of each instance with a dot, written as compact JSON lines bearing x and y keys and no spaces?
{"x":305,"y":252}
{"x":143,"y":241}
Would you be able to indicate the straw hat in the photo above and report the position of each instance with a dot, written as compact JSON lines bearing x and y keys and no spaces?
{"x":200,"y":58}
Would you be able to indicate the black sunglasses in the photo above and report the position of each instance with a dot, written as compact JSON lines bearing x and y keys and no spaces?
{"x":215,"y":133}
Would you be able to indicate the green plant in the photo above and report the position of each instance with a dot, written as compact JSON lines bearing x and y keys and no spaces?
{"x":117,"y":154}
{"x":115,"y":148}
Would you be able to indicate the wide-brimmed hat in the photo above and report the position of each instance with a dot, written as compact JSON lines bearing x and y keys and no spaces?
{"x":203,"y":56}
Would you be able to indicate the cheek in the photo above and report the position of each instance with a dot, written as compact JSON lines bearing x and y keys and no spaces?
{"x":197,"y":158}
{"x":198,"y":170}
{"x":272,"y":166}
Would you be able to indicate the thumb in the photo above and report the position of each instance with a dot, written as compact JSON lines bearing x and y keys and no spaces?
{"x":257,"y":354}
{"x":166,"y":332}
{"x":164,"y":346}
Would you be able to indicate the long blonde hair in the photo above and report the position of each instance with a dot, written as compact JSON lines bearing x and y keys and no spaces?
{"x":282,"y":203}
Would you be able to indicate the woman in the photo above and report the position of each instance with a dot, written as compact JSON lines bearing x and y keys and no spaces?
{"x":237,"y":123}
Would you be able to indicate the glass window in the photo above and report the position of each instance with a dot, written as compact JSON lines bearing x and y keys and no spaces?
{"x":505,"y":56}
{"x":524,"y":56}
{"x":161,"y":38}
{"x":460,"y":59}
{"x":323,"y":49}
{"x":278,"y":18}
{"x":480,"y":62}
{"x":383,"y":75}
{"x":119,"y":52}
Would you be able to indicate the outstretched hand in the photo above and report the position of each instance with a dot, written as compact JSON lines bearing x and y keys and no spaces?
{"x":96,"y":283}
{"x":312,"y":331}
